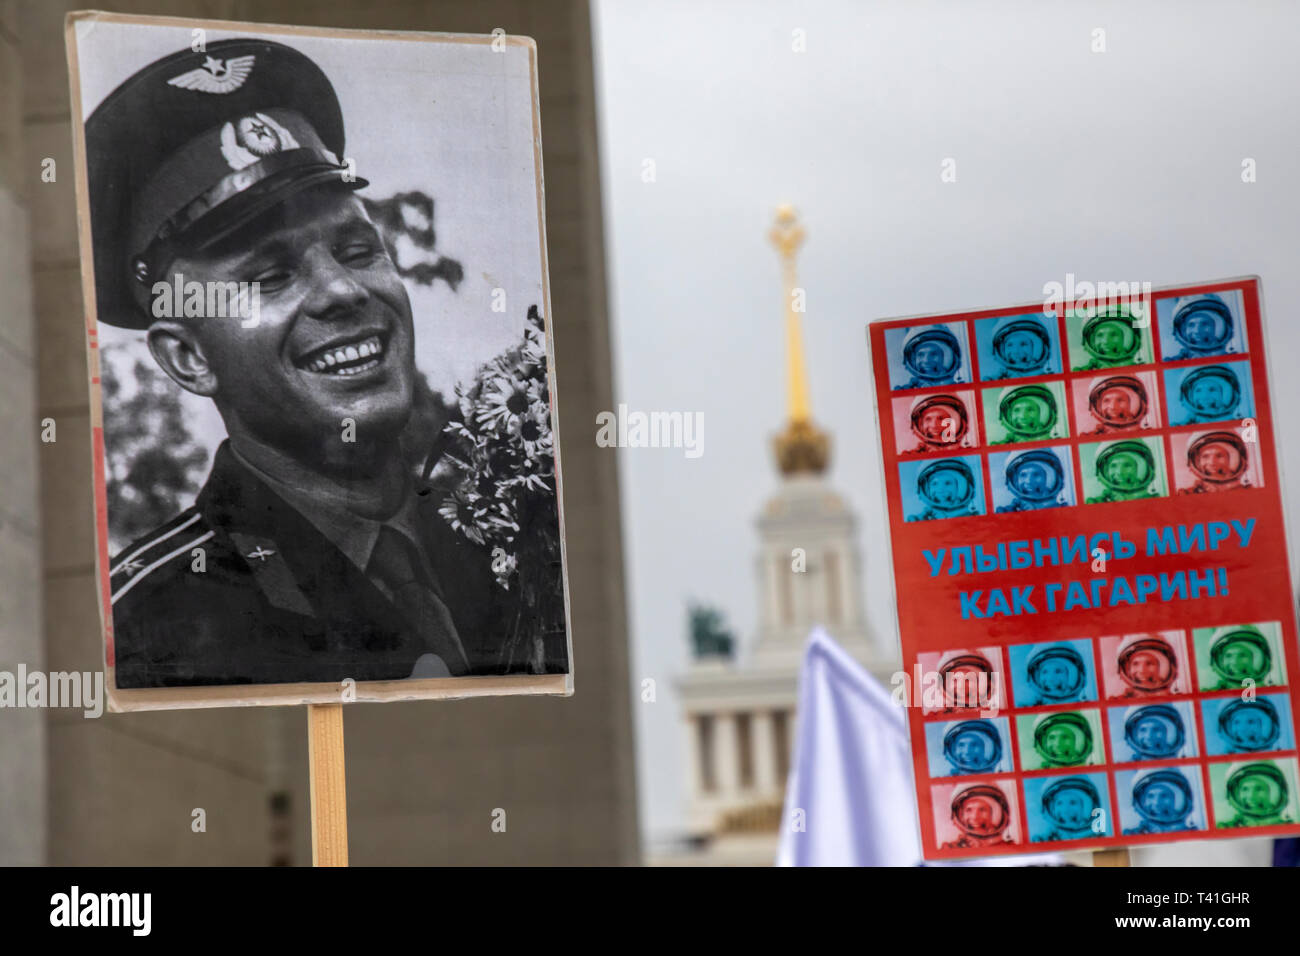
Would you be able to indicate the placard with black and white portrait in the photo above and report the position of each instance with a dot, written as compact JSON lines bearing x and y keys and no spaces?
{"x":322,"y":362}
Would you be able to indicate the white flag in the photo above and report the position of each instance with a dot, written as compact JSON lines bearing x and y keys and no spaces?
{"x":850,"y":799}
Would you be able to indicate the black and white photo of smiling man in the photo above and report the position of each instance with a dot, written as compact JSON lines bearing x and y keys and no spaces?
{"x":381,"y":501}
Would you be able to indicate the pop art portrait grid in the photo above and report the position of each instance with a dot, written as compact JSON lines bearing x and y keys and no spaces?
{"x":1156,"y":723}
{"x":1131,"y":732}
{"x":1106,"y":394}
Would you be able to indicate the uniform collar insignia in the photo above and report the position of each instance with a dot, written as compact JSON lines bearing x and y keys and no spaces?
{"x":216,"y":76}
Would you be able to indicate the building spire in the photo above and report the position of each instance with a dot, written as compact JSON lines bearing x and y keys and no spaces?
{"x":801,"y":447}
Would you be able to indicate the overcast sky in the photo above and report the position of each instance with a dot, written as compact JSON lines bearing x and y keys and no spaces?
{"x":1117,"y":165}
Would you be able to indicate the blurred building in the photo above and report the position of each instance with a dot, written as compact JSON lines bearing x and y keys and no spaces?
{"x":739,"y":715}
{"x":424,"y":777}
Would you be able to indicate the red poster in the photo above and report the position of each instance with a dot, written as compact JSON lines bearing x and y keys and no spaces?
{"x":1091,"y":567}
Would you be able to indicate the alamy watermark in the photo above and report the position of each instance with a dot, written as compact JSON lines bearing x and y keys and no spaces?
{"x":949,"y":691}
{"x":632,"y":429}
{"x":78,"y":690}
{"x":208,"y":300}
{"x":1089,"y":298}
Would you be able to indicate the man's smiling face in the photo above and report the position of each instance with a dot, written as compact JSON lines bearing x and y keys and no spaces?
{"x":1116,"y":406}
{"x":1152,"y":735}
{"x":1215,"y":461}
{"x":1238,"y":660}
{"x":1020,"y":349}
{"x":1056,"y":675}
{"x":947,"y":489}
{"x":1031,"y":480}
{"x":1248,"y":728}
{"x":1161,"y":803}
{"x":935,"y":421}
{"x":1144,"y":669}
{"x":979,"y":816}
{"x":1025,"y":416}
{"x":335,"y":337}
{"x":1200,"y":330}
{"x":1060,"y":744}
{"x":1255,"y":795}
{"x":1071,"y":809}
{"x":1122,"y":470}
{"x":930,"y":358}
{"x":1209,"y":396}
{"x":969,"y":749}
{"x":1109,"y":339}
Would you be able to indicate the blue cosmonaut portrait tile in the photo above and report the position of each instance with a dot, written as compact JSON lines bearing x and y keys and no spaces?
{"x":927,"y":354}
{"x":1060,"y":672}
{"x":1214,"y":392}
{"x":1072,"y":806}
{"x":959,"y":748}
{"x":1017,"y":346}
{"x":1237,"y":725}
{"x":1160,"y":800}
{"x":1206,"y":325}
{"x":942,"y":488}
{"x":1031,"y":480}
{"x":1152,"y":731}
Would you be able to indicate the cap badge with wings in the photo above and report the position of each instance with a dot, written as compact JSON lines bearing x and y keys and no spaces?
{"x":216,"y":76}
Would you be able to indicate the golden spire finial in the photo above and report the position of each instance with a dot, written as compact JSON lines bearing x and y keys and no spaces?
{"x":802,"y":446}
{"x":788,"y":235}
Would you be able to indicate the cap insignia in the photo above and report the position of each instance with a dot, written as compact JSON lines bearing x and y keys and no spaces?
{"x":254,"y":137}
{"x":216,"y":76}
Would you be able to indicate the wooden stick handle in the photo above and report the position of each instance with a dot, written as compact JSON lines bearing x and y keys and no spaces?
{"x":1117,"y":857}
{"x":329,"y":785}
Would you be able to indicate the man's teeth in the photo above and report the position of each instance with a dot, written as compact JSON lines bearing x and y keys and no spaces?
{"x":367,"y":353}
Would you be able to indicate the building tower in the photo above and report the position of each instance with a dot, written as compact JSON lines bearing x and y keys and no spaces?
{"x":739,"y":712}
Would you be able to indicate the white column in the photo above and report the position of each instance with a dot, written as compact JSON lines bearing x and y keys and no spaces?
{"x":694,"y":755}
{"x":765,"y":776}
{"x":726,"y":765}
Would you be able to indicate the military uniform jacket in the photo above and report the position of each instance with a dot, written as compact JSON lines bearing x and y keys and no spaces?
{"x":277,"y":601}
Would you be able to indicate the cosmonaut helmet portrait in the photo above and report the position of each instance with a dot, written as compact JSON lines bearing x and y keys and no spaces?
{"x":1254,"y":794}
{"x":982,"y":816}
{"x":1200,"y":326}
{"x":1154,"y":732}
{"x":968,"y":679}
{"x":1117,"y":403}
{"x":1159,"y":801}
{"x":1240,"y":724}
{"x":1249,"y":725}
{"x":1055,"y":673}
{"x":938,"y":422}
{"x":1123,"y":471}
{"x":1216,"y":461}
{"x":1032,"y":480}
{"x":972,"y":746}
{"x":975,"y":742}
{"x":1062,"y":739}
{"x":1209,"y":393}
{"x":1146,"y":664}
{"x":1016,"y":346}
{"x":1236,"y":656}
{"x":1021,"y":413}
{"x":1067,"y":807}
{"x":922,"y":356}
{"x":942,"y":488}
{"x":1111,"y":337}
